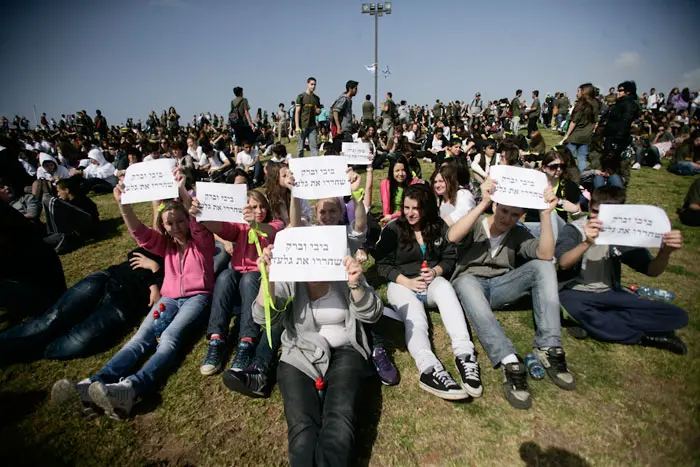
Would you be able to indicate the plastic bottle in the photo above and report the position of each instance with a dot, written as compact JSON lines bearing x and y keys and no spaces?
{"x":320,"y":388}
{"x":423,"y":294}
{"x":162,"y":317}
{"x":533,"y":366}
{"x":653,"y":293}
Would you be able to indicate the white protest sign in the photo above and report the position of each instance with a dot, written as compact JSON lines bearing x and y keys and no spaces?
{"x":148,"y":181}
{"x":320,"y":177}
{"x":310,"y":254}
{"x":519,"y":187}
{"x":357,"y":153}
{"x":632,"y":225}
{"x":221,"y":202}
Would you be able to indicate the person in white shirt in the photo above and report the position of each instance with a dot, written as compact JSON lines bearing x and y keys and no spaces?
{"x":454,"y":201}
{"x":193,"y":149}
{"x":653,"y":100}
{"x":99,"y":173}
{"x":248,"y":159}
{"x":212,"y":161}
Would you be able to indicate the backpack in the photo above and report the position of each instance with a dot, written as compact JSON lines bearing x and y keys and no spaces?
{"x":236,"y":117}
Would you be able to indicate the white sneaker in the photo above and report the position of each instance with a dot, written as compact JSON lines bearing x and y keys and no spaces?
{"x":73,"y":396}
{"x":636,"y":166}
{"x":112,"y":397}
{"x":657,"y":167}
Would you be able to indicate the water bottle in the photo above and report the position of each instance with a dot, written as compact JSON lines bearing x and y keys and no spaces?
{"x":533,"y":366}
{"x":320,"y":388}
{"x":162,"y":317}
{"x":653,"y":293}
{"x":423,"y":294}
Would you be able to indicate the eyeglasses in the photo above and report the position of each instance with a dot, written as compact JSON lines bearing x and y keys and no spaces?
{"x":555,"y":166}
{"x":620,"y":90}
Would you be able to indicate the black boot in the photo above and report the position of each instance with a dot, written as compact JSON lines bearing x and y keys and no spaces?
{"x":670,"y":342}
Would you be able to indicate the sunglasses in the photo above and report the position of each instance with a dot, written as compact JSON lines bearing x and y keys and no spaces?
{"x":556,"y":166}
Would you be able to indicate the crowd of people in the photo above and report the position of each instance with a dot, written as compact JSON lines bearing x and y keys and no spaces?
{"x":439,"y":242}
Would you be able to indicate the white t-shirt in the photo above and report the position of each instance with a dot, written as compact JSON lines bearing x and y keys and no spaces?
{"x":329,"y":315}
{"x":245,"y":159}
{"x":410,"y":135}
{"x":215,"y":161}
{"x":465,"y":202}
{"x":494,"y":242}
{"x":437,"y":144}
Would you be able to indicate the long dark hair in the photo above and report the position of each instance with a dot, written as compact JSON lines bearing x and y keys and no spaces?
{"x":393,"y":184}
{"x":430,"y":222}
{"x":586,"y":103}
{"x":278,"y":195}
{"x":449,"y":175}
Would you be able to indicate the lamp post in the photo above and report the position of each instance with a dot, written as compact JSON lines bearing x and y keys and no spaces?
{"x":376,"y":10}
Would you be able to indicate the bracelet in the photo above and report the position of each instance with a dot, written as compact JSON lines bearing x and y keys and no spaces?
{"x":353,"y":286}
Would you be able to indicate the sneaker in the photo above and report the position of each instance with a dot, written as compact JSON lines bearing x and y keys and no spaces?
{"x":116,"y":400}
{"x":73,"y":396}
{"x":213,"y":362}
{"x":250,"y":382}
{"x":244,"y":356}
{"x":636,"y":166}
{"x":670,"y":342}
{"x":471,"y":375}
{"x":657,"y":167}
{"x":515,"y":388}
{"x":387,"y":372}
{"x":437,"y":381}
{"x":553,"y":360}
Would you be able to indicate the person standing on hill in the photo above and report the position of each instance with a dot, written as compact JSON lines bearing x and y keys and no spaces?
{"x":368,"y":111}
{"x":516,"y":109}
{"x":342,"y":111}
{"x":533,"y":113}
{"x":437,"y":110}
{"x":389,"y":114}
{"x":239,"y":118}
{"x":563,"y":104}
{"x":308,"y":105}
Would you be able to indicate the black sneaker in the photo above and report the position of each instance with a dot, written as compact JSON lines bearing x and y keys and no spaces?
{"x":250,"y":382}
{"x":470,"y":373}
{"x":244,"y":356}
{"x":213,"y":362}
{"x":437,"y":381}
{"x":553,"y":360}
{"x":515,"y":388}
{"x":670,"y":342}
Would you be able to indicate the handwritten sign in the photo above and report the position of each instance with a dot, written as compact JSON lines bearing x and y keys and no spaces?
{"x":632,"y":225}
{"x":319,"y":177}
{"x":519,"y":187}
{"x":148,"y":181}
{"x":310,"y":254}
{"x":357,"y":153}
{"x":221,"y":202}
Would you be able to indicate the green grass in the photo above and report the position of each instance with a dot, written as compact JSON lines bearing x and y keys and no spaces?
{"x":633,"y":406}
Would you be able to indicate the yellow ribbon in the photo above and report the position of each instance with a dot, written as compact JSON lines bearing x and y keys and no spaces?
{"x":358,"y":194}
{"x":254,"y":235}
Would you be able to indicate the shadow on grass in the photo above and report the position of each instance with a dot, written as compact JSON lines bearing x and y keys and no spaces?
{"x":369,"y":412}
{"x":534,"y":456}
{"x":14,"y":406}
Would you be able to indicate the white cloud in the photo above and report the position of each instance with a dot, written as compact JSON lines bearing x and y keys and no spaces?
{"x":690,"y":79}
{"x":628,"y":60}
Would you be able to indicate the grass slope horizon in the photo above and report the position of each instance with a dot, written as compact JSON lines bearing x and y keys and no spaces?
{"x":633,"y":405}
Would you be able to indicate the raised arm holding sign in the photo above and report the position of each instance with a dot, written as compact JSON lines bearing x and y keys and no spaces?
{"x":632,"y":225}
{"x":149,"y":181}
{"x":518,"y":187}
{"x":221,"y":202}
{"x":319,"y":177}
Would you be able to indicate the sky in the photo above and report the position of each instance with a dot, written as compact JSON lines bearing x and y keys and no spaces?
{"x":129,"y":57}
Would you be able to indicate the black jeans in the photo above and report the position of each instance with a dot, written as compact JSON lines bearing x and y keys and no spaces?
{"x":91,"y":313}
{"x":648,"y":157}
{"x":532,"y":125}
{"x":322,"y":434}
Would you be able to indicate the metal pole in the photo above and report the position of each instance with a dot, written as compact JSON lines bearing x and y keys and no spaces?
{"x":36,"y":121}
{"x":376,"y":60}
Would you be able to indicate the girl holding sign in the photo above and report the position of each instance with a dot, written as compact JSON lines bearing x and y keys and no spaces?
{"x":324,"y":360}
{"x":187,"y":248}
{"x":415,"y":257}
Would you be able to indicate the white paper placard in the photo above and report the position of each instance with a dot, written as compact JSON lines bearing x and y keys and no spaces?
{"x":149,"y":181}
{"x":519,"y":187}
{"x":357,"y":153}
{"x":310,"y":254}
{"x":222,"y":202}
{"x":632,"y":225}
{"x":320,"y":177}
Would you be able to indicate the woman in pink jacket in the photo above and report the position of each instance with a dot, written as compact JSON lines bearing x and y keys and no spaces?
{"x":187,"y":248}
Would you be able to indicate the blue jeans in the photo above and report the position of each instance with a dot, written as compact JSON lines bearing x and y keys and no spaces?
{"x":612,"y":180}
{"x":480,"y":295}
{"x":312,"y":134}
{"x":144,"y":341}
{"x":580,"y":152}
{"x":234,"y":293}
{"x":560,"y":119}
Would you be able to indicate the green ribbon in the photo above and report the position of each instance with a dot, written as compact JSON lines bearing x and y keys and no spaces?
{"x":358,"y":194}
{"x":254,"y":235}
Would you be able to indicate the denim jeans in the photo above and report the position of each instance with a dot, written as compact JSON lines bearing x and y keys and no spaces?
{"x":560,"y":120}
{"x":90,"y":312}
{"x":480,"y":295}
{"x":222,"y":260}
{"x":322,"y":434}
{"x":312,"y":134}
{"x":515,"y":122}
{"x":234,"y":293}
{"x":612,"y":180}
{"x":144,"y":341}
{"x":580,"y":152}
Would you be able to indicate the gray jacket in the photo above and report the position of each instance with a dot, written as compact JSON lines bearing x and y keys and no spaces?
{"x":302,"y":346}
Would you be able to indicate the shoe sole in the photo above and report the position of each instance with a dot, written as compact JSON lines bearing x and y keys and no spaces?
{"x":561,"y":384}
{"x":516,"y":403}
{"x":212,"y":372}
{"x":236,"y":385}
{"x":473,"y":392}
{"x":388,"y":383}
{"x":449,"y":396}
{"x":102,"y":400}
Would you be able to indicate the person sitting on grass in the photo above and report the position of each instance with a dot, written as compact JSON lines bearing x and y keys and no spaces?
{"x":26,"y":204}
{"x":591,"y":293}
{"x":236,"y":287}
{"x":71,"y":217}
{"x":404,"y":248}
{"x":248,"y":159}
{"x":99,"y":174}
{"x":500,"y":262}
{"x":48,"y":174}
{"x":91,"y":314}
{"x":324,"y":362}
{"x":391,"y":189}
{"x":187,"y":248}
{"x":689,"y":214}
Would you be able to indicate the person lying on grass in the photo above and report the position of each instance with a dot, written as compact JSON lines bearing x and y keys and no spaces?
{"x":187,"y":248}
{"x":590,"y":278}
